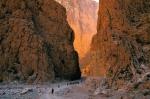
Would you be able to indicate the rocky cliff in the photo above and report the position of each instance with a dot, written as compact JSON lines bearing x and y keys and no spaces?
{"x":36,"y":42}
{"x":82,"y":17}
{"x":121,"y":47}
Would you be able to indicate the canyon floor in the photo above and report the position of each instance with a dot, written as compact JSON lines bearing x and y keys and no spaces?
{"x":87,"y":88}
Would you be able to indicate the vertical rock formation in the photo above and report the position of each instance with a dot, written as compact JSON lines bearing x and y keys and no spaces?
{"x":121,"y":46}
{"x":82,"y":17}
{"x":36,"y":42}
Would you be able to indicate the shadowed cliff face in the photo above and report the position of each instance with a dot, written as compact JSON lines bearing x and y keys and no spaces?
{"x":121,"y":46}
{"x":36,"y":42}
{"x":82,"y":17}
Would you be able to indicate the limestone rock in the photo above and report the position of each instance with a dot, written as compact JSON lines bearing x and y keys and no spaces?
{"x":36,"y":42}
{"x":82,"y":17}
{"x":121,"y":46}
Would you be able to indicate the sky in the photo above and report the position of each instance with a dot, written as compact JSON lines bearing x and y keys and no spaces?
{"x":96,"y":0}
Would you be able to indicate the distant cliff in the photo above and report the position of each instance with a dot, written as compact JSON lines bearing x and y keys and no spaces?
{"x":121,"y":47}
{"x":82,"y":16}
{"x":36,"y":42}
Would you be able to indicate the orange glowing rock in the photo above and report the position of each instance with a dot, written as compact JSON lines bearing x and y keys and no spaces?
{"x":82,"y":17}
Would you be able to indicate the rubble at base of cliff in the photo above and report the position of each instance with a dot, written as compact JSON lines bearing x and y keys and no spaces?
{"x":86,"y":88}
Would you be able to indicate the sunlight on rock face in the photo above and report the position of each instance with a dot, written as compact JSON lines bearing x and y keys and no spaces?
{"x":85,"y":71}
{"x":82,"y":17}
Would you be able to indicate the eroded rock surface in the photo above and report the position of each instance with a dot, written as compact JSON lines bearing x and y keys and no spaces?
{"x":121,"y":47}
{"x":36,"y":42}
{"x":82,"y":17}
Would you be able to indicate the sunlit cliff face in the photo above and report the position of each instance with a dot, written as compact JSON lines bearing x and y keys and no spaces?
{"x":82,"y":17}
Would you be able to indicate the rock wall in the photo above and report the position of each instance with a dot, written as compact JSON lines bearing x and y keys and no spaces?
{"x":121,"y":48}
{"x":82,"y":17}
{"x":36,"y":42}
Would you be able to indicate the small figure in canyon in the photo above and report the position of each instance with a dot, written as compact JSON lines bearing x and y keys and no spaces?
{"x":52,"y":91}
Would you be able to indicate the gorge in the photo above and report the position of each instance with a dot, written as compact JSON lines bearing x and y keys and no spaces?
{"x":37,"y":44}
{"x":82,"y":17}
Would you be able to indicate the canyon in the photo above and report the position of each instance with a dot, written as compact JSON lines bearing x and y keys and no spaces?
{"x":36,"y":45}
{"x":36,"y":42}
{"x":82,"y":17}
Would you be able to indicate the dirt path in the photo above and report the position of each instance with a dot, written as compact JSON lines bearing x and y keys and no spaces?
{"x":87,"y":89}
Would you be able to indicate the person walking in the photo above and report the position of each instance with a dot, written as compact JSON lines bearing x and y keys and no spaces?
{"x":52,"y":91}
